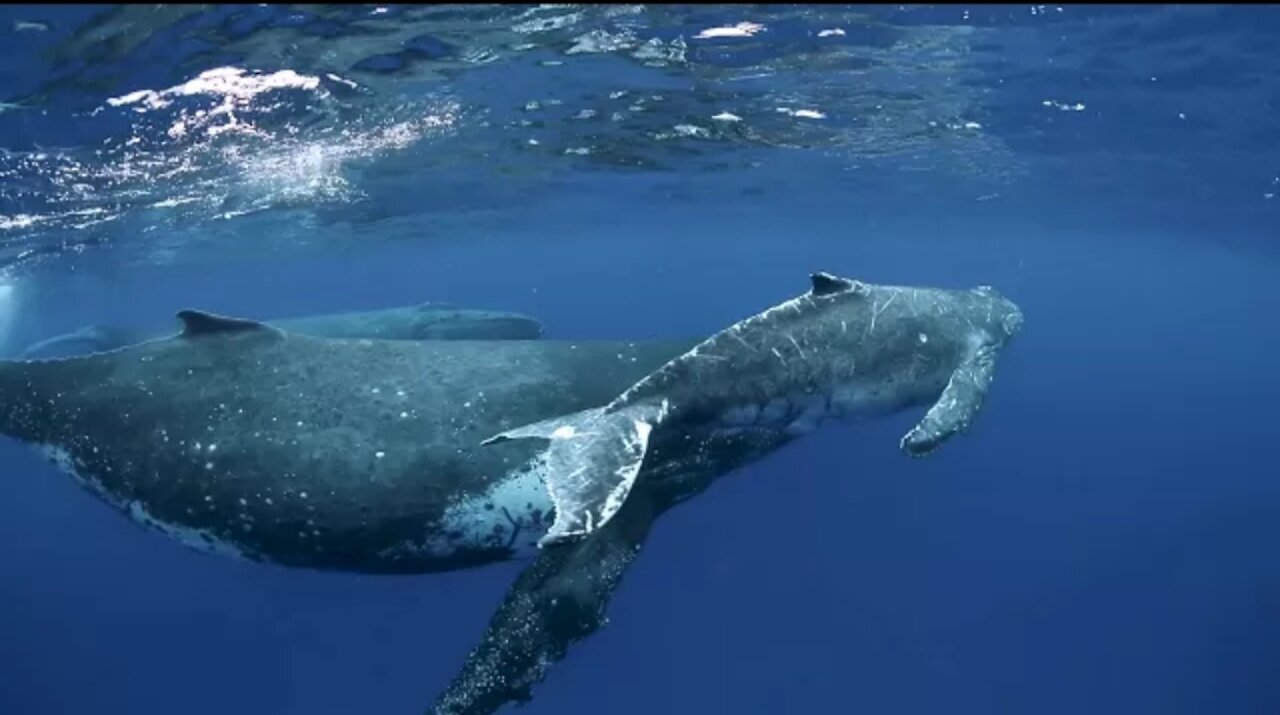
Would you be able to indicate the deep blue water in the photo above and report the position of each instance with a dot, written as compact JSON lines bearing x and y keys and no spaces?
{"x":1103,"y":539}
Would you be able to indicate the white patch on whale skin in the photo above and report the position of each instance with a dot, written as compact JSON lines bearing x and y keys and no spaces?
{"x":518,"y":504}
{"x":199,"y":539}
{"x":521,"y":498}
{"x":63,"y":460}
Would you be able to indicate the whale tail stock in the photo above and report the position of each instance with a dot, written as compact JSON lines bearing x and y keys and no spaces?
{"x":592,"y":462}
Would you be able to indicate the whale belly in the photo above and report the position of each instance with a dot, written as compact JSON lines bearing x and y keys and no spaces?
{"x":203,"y":540}
{"x":503,"y":521}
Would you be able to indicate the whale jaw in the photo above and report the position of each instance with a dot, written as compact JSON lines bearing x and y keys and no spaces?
{"x":799,"y":414}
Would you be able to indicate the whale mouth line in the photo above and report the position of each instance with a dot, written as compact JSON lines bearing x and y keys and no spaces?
{"x":803,"y":412}
{"x":784,"y":411}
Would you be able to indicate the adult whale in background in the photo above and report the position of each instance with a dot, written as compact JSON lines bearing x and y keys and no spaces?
{"x":425,"y":321}
{"x":408,"y":457}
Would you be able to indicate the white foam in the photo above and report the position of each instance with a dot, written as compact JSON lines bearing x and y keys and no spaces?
{"x":231,"y":83}
{"x":742,"y":29}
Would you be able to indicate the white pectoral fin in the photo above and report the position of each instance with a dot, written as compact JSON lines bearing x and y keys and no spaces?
{"x":591,"y":463}
{"x":956,"y":406}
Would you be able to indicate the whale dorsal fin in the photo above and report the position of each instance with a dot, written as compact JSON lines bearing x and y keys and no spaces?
{"x":196,"y":323}
{"x":827,"y":284}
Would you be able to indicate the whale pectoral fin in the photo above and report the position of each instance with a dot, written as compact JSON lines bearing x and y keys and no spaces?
{"x":558,"y":600}
{"x":956,"y":406}
{"x":591,"y":463}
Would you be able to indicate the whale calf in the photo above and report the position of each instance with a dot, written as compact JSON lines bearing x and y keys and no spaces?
{"x":845,"y":349}
{"x":378,"y":456}
{"x":424,"y":321}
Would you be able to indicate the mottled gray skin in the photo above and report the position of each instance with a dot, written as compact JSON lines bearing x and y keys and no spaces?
{"x":425,"y":321}
{"x":846,"y":349}
{"x":308,"y":452}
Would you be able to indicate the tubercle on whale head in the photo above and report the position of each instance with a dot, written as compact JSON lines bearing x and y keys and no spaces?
{"x":1005,"y":314}
{"x":1000,"y":317}
{"x":1012,"y":321}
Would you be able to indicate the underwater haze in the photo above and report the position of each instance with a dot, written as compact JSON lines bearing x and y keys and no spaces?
{"x":1103,"y":539}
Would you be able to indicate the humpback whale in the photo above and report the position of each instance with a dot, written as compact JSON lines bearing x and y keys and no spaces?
{"x":377,"y":456}
{"x":425,"y":321}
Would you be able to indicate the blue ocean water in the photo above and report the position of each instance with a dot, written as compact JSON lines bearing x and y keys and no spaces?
{"x":1102,"y":540}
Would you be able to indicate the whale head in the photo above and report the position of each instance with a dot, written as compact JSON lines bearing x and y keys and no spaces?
{"x":981,"y":313}
{"x":1002,"y":317}
{"x":444,"y":321}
